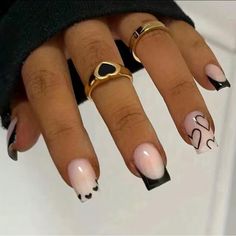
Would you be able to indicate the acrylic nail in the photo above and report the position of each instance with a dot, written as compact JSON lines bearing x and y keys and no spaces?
{"x":83,"y":178}
{"x":200,"y":132}
{"x":216,"y":77}
{"x":149,"y":163}
{"x":11,"y":139}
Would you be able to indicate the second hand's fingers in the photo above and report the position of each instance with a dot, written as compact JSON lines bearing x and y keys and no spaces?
{"x":23,"y":131}
{"x":49,"y":90}
{"x":200,"y":59}
{"x":169,"y":72}
{"x":89,"y":43}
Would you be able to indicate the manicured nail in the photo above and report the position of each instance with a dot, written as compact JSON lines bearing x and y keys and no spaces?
{"x":83,"y":178}
{"x":11,"y":139}
{"x":150,"y":165}
{"x":216,"y":77}
{"x":199,"y":132}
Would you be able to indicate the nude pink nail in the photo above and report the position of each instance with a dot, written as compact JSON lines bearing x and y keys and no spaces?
{"x":83,"y":178}
{"x":199,"y":132}
{"x":150,"y":165}
{"x":148,"y":160}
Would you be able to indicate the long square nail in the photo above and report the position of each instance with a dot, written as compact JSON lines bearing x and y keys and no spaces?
{"x":149,"y":164}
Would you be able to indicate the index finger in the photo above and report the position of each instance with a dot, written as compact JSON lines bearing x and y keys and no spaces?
{"x":49,"y":90}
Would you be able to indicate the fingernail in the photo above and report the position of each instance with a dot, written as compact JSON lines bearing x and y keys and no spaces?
{"x":199,"y":132}
{"x":83,"y":178}
{"x":11,"y":139}
{"x":150,"y":165}
{"x":216,"y":77}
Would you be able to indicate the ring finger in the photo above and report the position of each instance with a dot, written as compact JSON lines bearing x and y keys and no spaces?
{"x":89,"y":43}
{"x":169,"y":72}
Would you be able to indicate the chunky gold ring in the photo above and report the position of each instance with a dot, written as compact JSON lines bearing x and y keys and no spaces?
{"x":104,"y":72}
{"x":141,"y":31}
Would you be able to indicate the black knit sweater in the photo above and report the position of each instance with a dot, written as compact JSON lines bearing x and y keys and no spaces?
{"x":26,"y":24}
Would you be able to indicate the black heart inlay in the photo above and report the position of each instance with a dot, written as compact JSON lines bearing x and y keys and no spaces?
{"x":95,"y":188}
{"x":106,"y":69}
{"x":201,"y":122}
{"x":196,"y":135}
{"x":88,"y":196}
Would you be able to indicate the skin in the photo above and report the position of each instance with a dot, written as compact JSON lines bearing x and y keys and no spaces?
{"x":49,"y":107}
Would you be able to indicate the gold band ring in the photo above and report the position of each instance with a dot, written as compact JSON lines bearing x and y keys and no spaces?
{"x":141,"y":31}
{"x":104,"y":72}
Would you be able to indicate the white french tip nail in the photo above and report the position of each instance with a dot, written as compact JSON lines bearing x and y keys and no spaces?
{"x":83,"y":178}
{"x":199,"y":132}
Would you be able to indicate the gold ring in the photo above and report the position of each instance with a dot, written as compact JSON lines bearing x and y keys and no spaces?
{"x":141,"y":31}
{"x":104,"y":72}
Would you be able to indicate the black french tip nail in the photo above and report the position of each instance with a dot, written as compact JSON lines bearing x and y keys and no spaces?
{"x":219,"y":85}
{"x":153,"y":183}
{"x":12,"y":152}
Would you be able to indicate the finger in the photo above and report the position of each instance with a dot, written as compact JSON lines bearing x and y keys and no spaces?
{"x":169,"y":72}
{"x":23,"y":131}
{"x":200,"y":59}
{"x":49,"y":90}
{"x":90,"y":43}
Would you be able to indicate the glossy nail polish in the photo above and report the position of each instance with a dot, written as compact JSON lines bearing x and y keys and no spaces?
{"x":199,"y":132}
{"x":83,"y":178}
{"x":216,"y":77}
{"x":11,"y":138}
{"x":150,"y":165}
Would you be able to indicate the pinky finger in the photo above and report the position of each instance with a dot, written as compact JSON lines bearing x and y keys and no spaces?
{"x":200,"y":59}
{"x":23,"y":131}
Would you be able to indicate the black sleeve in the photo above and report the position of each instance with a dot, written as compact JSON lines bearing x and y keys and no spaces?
{"x":4,"y":6}
{"x":26,"y":24}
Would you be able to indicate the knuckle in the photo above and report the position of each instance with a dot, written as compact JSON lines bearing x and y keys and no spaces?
{"x":42,"y":83}
{"x":60,"y":129}
{"x":127,"y":118}
{"x":97,"y":48}
{"x":198,"y":42}
{"x":181,"y":87}
{"x":93,"y":44}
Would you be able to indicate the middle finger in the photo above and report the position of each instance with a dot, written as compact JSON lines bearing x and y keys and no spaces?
{"x":90,"y":43}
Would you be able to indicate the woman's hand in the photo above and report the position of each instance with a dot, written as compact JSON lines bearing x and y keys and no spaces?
{"x":172,"y":60}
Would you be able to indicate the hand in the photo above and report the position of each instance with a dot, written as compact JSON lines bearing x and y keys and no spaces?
{"x":172,"y":60}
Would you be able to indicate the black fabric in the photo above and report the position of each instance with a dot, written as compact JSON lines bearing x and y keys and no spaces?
{"x":5,"y":5}
{"x":26,"y":24}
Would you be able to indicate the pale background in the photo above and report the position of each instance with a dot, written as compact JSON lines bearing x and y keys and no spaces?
{"x":198,"y":200}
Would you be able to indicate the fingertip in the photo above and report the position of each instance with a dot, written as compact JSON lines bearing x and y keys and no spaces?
{"x":216,"y":76}
{"x":27,"y":133}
